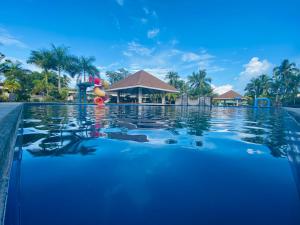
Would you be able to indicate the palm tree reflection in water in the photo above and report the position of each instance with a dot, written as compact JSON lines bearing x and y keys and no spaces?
{"x":63,"y":129}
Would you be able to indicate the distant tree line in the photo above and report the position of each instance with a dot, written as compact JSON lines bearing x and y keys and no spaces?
{"x":282,"y":87}
{"x":57,"y":65}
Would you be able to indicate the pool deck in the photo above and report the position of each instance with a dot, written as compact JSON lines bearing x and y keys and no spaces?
{"x":295,"y":112}
{"x":10,"y":117}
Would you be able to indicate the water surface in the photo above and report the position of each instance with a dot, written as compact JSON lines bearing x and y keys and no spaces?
{"x":87,"y":165}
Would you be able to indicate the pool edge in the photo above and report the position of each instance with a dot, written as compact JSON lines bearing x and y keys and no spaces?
{"x":9,"y":124}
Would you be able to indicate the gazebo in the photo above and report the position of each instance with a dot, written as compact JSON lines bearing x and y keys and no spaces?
{"x":140,"y":87}
{"x":229,"y":98}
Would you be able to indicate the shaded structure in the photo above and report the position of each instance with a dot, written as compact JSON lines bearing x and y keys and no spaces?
{"x":140,"y":87}
{"x":229,"y":98}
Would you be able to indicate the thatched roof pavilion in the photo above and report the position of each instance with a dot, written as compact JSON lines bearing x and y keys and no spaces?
{"x":139,"y":85}
{"x":229,"y":98}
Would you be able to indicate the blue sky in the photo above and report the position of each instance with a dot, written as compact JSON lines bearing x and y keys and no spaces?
{"x":233,"y":40}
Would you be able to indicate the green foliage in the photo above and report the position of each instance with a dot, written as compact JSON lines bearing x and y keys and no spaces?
{"x":259,"y":87}
{"x":52,"y":82}
{"x":282,"y":87}
{"x":12,"y":85}
{"x":199,"y":84}
{"x":115,"y":76}
{"x":173,"y":78}
{"x":24,"y":83}
{"x":286,"y":82}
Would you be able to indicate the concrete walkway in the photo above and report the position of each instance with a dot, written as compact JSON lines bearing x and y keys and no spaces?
{"x":10,"y":117}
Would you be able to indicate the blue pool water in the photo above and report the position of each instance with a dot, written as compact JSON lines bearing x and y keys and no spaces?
{"x":85,"y":165}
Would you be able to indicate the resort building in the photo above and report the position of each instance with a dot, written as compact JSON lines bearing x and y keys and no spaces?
{"x":229,"y":98}
{"x":140,"y":87}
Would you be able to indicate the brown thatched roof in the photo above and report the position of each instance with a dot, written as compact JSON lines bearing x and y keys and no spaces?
{"x":229,"y":95}
{"x":142,"y":79}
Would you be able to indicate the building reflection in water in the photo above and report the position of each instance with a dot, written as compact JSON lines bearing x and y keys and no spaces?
{"x":57,"y":130}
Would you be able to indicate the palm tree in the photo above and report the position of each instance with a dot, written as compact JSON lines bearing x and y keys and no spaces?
{"x":285,"y":79}
{"x":173,"y":78}
{"x":200,"y":84}
{"x":73,"y":67}
{"x":12,"y":85}
{"x":266,"y":84}
{"x":182,"y":86}
{"x":253,"y":88}
{"x":43,"y":59}
{"x":87,"y":67}
{"x":259,"y":86}
{"x":60,"y":55}
{"x":4,"y":63}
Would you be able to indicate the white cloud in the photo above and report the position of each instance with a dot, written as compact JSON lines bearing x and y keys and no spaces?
{"x":135,"y":48}
{"x":174,"y":42}
{"x":144,"y":20}
{"x":149,"y":12}
{"x":120,"y":2}
{"x":7,"y":39}
{"x":162,"y":58}
{"x":146,"y":10}
{"x":191,"y":57}
{"x":202,"y":60}
{"x":222,"y":89}
{"x":254,"y":68}
{"x":159,"y":72}
{"x":152,"y":33}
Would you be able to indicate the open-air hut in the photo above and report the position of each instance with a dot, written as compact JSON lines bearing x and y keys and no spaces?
{"x":140,"y":87}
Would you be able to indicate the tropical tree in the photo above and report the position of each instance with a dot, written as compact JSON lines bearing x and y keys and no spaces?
{"x":123,"y":72}
{"x":173,"y":78}
{"x":200,"y":84}
{"x":86,"y":66}
{"x":15,"y":73}
{"x":44,"y":59}
{"x":115,"y":76}
{"x":259,"y":87}
{"x":61,"y":58}
{"x":4,"y":63}
{"x":182,"y":86}
{"x":286,"y":81}
{"x":12,"y":85}
{"x":73,"y":67}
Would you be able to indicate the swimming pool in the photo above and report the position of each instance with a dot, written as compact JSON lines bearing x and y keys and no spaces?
{"x":86,"y":165}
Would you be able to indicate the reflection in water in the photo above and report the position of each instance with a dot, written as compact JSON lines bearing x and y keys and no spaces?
{"x":57,"y":130}
{"x":267,"y":128}
{"x":155,"y":165}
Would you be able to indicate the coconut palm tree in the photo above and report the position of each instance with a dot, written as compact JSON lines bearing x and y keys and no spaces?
{"x":285,"y":79}
{"x":12,"y":85}
{"x":43,"y":59}
{"x":172,"y":78}
{"x":182,"y":86}
{"x":87,"y":67}
{"x":266,"y":84}
{"x":200,"y":84}
{"x":4,"y":63}
{"x":259,"y":87}
{"x":61,"y":57}
{"x":73,"y":67}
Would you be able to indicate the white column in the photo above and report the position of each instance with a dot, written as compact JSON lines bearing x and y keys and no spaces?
{"x":163,"y":98}
{"x":140,"y":95}
{"x":118,"y":97}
